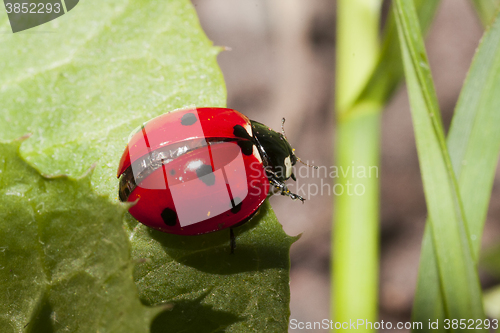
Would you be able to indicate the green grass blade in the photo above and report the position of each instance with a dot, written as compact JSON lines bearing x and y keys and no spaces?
{"x":486,"y":10}
{"x":474,"y":138}
{"x":454,"y":259}
{"x":428,"y":302}
{"x":389,"y":70}
{"x":474,"y":144}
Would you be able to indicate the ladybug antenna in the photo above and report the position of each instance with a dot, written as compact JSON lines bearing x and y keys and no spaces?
{"x":283,"y":127}
{"x":293,"y":150}
{"x":307,"y":164}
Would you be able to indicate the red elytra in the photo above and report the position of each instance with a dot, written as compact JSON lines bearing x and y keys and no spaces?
{"x":168,"y":129}
{"x":188,"y":174}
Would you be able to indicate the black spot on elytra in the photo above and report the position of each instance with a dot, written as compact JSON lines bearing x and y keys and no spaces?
{"x":240,"y":132}
{"x":169,"y":216}
{"x":206,"y":174}
{"x":236,"y":204}
{"x":246,"y":147}
{"x":188,"y":119}
{"x":172,"y":172}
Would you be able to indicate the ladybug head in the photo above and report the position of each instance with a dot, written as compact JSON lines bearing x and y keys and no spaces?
{"x":277,"y":154}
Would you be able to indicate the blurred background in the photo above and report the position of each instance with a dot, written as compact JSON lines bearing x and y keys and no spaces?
{"x":279,"y":62}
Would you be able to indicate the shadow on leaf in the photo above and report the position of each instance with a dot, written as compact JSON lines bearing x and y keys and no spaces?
{"x":192,"y":316}
{"x":41,"y":322}
{"x":211,"y":252}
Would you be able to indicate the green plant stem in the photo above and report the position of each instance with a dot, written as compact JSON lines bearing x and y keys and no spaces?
{"x":355,"y":232}
{"x":355,"y":235}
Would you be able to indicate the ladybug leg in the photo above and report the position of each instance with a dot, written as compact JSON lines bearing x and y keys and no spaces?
{"x":283,"y":189}
{"x":294,"y":196}
{"x":232,"y":240}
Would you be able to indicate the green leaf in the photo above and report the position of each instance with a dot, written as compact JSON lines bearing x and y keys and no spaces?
{"x":474,"y":146}
{"x":64,"y":256}
{"x":80,"y":84}
{"x":247,"y":291}
{"x":104,"y":69}
{"x":449,"y":235}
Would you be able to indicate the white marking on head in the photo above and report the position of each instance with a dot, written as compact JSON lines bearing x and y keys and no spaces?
{"x":248,"y":128}
{"x":288,"y":166}
{"x":257,"y":154}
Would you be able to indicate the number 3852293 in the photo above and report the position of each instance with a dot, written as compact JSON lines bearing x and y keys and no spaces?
{"x":33,"y":8}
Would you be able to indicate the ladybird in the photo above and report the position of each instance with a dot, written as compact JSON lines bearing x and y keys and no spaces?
{"x":199,"y":170}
